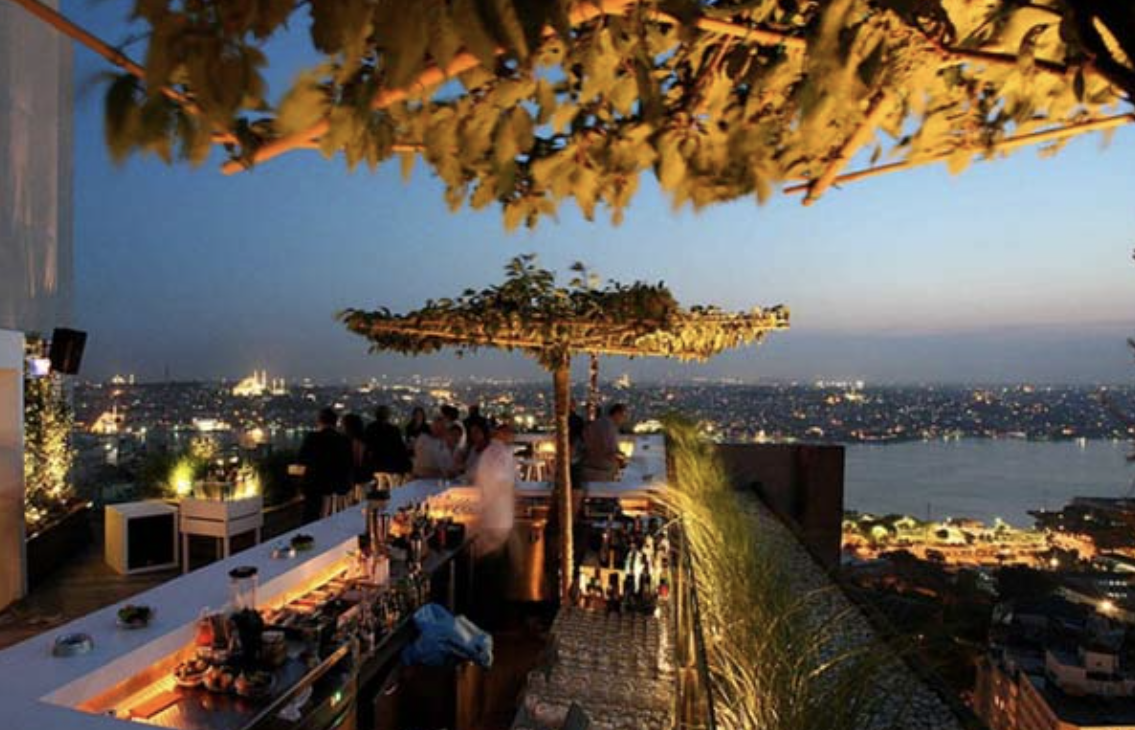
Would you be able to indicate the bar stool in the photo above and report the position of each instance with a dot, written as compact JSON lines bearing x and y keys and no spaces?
{"x":387,"y":480}
{"x":334,"y":503}
{"x":533,"y":470}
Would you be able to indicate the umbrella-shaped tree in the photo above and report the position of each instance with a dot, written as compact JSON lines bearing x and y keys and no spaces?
{"x":530,"y":313}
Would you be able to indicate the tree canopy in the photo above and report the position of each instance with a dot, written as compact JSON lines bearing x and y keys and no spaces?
{"x":530,"y":313}
{"x":527,"y":103}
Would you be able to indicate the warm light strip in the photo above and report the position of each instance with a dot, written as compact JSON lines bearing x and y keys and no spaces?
{"x":158,"y":677}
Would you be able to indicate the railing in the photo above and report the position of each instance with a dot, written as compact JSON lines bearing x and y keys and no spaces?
{"x":695,"y":689}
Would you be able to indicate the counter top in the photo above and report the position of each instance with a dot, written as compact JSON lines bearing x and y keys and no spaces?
{"x":39,"y":689}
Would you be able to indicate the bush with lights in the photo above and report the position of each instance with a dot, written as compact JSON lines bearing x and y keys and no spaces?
{"x":48,"y":452}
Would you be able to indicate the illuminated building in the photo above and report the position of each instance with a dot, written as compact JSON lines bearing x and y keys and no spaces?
{"x":109,"y":422}
{"x":1055,"y":665}
{"x":258,"y":384}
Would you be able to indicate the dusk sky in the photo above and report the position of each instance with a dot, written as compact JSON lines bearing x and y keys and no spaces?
{"x":1017,"y":270}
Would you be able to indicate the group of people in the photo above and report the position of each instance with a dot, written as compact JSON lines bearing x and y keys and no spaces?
{"x":447,"y":446}
{"x":344,"y":454}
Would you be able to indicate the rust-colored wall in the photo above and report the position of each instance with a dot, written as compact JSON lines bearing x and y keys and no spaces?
{"x":801,"y":484}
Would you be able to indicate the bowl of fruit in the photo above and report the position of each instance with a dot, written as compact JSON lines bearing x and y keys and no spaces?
{"x":190,"y":673}
{"x":254,"y":685}
{"x":219,"y":679}
{"x":133,"y":616}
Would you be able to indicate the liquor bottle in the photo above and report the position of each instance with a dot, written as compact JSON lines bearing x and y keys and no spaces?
{"x":575,"y":593}
{"x":628,"y":601}
{"x":613,"y":603}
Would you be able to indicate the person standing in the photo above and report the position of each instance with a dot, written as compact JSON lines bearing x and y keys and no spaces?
{"x":432,"y":458}
{"x":475,"y":419}
{"x":453,"y":418}
{"x":326,"y":458}
{"x":417,"y":425}
{"x":478,"y":436}
{"x":602,"y":458}
{"x":576,"y":425}
{"x":386,"y":450}
{"x":361,"y":472}
{"x":495,"y":478}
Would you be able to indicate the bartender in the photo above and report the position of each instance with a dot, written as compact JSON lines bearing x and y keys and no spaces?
{"x":495,"y":477}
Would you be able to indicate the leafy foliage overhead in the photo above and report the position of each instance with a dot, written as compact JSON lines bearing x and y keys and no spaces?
{"x":528,"y":312}
{"x":526,"y":103}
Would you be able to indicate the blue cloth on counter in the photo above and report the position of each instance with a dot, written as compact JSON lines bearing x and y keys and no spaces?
{"x":444,"y":638}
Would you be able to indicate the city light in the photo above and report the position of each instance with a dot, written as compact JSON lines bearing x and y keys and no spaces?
{"x":181,"y":478}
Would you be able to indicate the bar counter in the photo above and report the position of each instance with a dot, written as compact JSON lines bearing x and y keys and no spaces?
{"x":41,"y":691}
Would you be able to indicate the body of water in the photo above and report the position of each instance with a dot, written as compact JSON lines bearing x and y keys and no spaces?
{"x":983,"y":478}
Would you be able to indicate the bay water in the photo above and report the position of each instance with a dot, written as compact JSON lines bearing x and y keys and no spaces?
{"x":983,"y":478}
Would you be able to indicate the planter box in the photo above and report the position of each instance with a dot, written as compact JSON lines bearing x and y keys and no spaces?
{"x":58,"y":543}
{"x":219,"y":519}
{"x":215,"y":510}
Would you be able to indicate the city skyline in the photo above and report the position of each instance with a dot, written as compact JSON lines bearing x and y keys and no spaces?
{"x":1018,"y":271}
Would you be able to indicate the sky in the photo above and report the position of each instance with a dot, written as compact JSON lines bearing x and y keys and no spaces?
{"x":1018,"y":270}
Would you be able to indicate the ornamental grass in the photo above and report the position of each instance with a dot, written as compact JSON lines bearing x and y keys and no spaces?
{"x":775,"y":661}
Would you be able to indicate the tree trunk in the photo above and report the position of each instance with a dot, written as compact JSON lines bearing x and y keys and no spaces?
{"x":561,"y":378}
{"x":593,"y":388}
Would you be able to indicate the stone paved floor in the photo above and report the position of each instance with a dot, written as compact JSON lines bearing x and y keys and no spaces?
{"x":907,"y":701}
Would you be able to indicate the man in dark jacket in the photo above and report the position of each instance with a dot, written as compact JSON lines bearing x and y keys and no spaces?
{"x":386,"y":451}
{"x":327,"y":460}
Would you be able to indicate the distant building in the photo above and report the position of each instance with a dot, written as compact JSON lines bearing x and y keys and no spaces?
{"x":258,"y":384}
{"x":1056,"y":665}
{"x":109,"y":423}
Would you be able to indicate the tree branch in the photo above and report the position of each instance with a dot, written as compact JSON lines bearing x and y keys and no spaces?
{"x":465,"y":61}
{"x":1006,"y":145}
{"x":118,"y":58}
{"x":878,"y":107}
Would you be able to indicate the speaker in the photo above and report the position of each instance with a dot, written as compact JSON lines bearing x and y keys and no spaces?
{"x":67,"y":350}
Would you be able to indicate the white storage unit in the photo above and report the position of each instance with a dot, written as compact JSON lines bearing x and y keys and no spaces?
{"x":141,"y":537}
{"x":220,"y":519}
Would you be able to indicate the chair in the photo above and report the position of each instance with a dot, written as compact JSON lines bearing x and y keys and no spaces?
{"x":334,"y":503}
{"x":533,"y":470}
{"x":387,"y":480}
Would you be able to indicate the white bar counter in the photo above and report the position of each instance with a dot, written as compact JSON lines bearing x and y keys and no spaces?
{"x":38,"y":690}
{"x":644,"y":474}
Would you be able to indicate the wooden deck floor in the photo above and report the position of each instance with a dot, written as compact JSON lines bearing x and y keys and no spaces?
{"x":86,"y":583}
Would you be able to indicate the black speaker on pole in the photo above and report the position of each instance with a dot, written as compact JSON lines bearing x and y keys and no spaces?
{"x":67,"y":350}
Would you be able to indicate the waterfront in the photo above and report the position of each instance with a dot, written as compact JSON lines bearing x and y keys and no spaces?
{"x":983,"y":478}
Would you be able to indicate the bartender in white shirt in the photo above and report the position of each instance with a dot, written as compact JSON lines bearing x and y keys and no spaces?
{"x":495,"y":475}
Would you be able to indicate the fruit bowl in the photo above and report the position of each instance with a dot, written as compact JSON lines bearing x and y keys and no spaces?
{"x":132,"y":616}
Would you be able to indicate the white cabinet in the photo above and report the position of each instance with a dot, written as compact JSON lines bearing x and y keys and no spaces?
{"x":140,"y":537}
